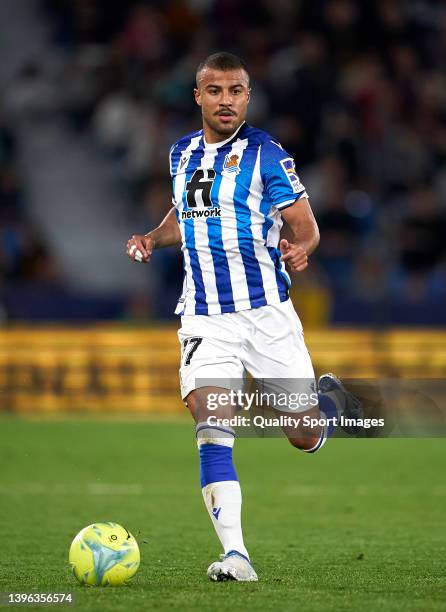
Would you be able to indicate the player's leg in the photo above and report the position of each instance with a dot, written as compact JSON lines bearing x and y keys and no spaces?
{"x":218,"y":478}
{"x":277,"y":355}
{"x":334,"y":401}
{"x":210,"y":351}
{"x":309,"y":437}
{"x":220,"y":486}
{"x":347,"y":405}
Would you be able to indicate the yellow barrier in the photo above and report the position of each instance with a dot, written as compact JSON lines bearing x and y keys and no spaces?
{"x":136,"y":370}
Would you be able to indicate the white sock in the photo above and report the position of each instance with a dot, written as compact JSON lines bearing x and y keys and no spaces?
{"x":220,"y":487}
{"x":224,"y":503}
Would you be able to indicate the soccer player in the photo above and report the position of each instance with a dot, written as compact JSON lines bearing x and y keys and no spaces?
{"x":232,"y":186}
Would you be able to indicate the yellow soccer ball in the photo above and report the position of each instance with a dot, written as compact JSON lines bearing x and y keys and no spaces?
{"x":104,"y":554}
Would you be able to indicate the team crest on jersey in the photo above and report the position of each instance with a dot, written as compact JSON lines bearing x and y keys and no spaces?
{"x":291,"y":174}
{"x":231,"y":164}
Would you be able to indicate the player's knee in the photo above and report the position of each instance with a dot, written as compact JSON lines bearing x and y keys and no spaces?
{"x":304,"y":443}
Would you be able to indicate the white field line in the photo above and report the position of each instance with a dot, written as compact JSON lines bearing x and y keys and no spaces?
{"x":40,"y":488}
{"x":296,"y":490}
{"x":114,"y":489}
{"x":365,"y":490}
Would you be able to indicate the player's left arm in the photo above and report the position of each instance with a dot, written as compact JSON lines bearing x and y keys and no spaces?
{"x":305,"y":231}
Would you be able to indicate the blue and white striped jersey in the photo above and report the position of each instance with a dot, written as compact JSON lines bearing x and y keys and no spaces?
{"x":228,"y":197}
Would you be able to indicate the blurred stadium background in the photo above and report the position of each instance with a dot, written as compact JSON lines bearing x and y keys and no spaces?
{"x":93,"y":93}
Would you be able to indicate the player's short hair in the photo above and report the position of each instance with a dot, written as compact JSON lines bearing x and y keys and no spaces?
{"x":222,"y":61}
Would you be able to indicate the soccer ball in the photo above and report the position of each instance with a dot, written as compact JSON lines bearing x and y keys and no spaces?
{"x":104,"y":554}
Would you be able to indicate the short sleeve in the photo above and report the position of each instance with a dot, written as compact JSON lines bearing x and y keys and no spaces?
{"x":281,"y":181}
{"x":172,"y":148}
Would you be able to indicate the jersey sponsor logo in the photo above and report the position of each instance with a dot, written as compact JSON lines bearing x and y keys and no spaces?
{"x":291,"y":174}
{"x":199,"y":202}
{"x":183,"y":161}
{"x":200,"y":183}
{"x":198,"y":214}
{"x":231,"y":164}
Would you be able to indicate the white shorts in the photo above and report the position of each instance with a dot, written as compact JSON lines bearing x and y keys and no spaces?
{"x":266,"y":342}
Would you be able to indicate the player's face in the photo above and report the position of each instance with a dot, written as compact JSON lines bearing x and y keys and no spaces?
{"x":223,"y":97}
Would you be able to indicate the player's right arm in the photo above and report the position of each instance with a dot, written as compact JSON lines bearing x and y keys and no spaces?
{"x":140,"y":246}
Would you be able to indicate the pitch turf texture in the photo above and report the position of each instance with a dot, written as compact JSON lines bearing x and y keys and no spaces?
{"x":359,"y":526}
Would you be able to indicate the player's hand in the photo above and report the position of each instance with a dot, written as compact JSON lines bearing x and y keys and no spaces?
{"x":295,"y":256}
{"x":140,"y":248}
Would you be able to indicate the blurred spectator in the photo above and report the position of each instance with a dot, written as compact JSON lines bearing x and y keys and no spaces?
{"x":24,"y":256}
{"x":423,"y":233}
{"x":356,"y":91}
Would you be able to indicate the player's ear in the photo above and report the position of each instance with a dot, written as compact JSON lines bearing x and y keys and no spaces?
{"x":197,"y":96}
{"x":249,"y":94}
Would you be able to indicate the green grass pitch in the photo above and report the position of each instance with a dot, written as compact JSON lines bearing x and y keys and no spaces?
{"x":358,"y":526}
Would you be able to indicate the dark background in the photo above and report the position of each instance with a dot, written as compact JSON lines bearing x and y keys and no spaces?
{"x":94,"y":92}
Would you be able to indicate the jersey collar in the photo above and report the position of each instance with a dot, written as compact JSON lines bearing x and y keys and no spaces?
{"x":216,"y":145}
